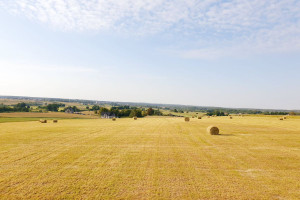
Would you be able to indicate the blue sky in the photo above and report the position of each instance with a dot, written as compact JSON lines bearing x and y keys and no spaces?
{"x":207,"y":53}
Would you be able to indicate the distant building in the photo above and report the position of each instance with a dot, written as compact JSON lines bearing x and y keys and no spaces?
{"x":107,"y":115}
{"x":69,"y":110}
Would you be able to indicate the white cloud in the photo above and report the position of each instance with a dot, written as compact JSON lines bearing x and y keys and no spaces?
{"x":157,"y":15}
{"x":271,"y":25}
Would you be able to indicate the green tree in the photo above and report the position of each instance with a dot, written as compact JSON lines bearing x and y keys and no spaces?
{"x":150,"y":111}
{"x":95,"y":107}
{"x":102,"y":110}
{"x":52,"y":107}
{"x":135,"y":113}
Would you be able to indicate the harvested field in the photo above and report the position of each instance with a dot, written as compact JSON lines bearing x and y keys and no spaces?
{"x":151,"y":158}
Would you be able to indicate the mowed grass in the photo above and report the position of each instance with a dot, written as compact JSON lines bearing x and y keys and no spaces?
{"x":151,"y":158}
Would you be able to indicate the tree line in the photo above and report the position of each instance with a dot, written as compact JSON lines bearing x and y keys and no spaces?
{"x":20,"y":107}
{"x":127,"y":111}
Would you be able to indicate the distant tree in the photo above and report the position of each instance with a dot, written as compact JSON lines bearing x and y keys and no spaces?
{"x":135,"y":113}
{"x":292,"y":113}
{"x":275,"y":113}
{"x":95,"y":107}
{"x":144,"y":113}
{"x":124,"y":112}
{"x":53,"y":107}
{"x":150,"y":111}
{"x":175,"y":110}
{"x":21,"y":107}
{"x":114,"y":110}
{"x":4,"y":108}
{"x":157,"y":112}
{"x":75,"y":109}
{"x":215,"y":112}
{"x":102,"y":110}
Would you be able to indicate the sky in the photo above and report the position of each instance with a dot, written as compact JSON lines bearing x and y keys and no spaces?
{"x":230,"y":53}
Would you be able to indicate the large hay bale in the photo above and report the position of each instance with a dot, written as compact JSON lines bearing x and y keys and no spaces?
{"x":213,"y":130}
{"x":43,"y":121}
{"x":199,"y":117}
{"x":114,"y":119}
{"x":55,"y":121}
{"x":187,"y":119}
{"x":135,"y":118}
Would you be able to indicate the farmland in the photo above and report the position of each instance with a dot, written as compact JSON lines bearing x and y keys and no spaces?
{"x":46,"y":115}
{"x":255,"y":157}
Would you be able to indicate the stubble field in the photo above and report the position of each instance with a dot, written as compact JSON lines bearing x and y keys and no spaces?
{"x":151,"y":158}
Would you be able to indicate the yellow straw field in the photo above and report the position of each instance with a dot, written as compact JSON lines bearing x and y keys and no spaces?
{"x":151,"y":158}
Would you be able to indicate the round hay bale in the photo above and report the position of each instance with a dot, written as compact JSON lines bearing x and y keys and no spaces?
{"x":43,"y":121}
{"x":199,"y":117}
{"x":187,"y":119}
{"x":281,"y":119}
{"x":135,"y":118}
{"x":230,"y":117}
{"x":284,"y":117}
{"x":208,"y":116}
{"x":213,"y":130}
{"x":192,"y":116}
{"x":114,"y":119}
{"x":55,"y":121}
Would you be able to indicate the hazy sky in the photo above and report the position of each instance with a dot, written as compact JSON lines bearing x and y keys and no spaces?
{"x":232,"y":53}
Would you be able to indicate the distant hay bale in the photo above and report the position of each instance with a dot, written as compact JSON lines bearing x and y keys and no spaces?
{"x":208,"y":116}
{"x":192,"y":116}
{"x":281,"y":118}
{"x":284,"y":117}
{"x":135,"y":118}
{"x":114,"y":119}
{"x":55,"y":121}
{"x":187,"y":119}
{"x":230,"y":117}
{"x":213,"y":130}
{"x":199,"y":117}
{"x":43,"y":121}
